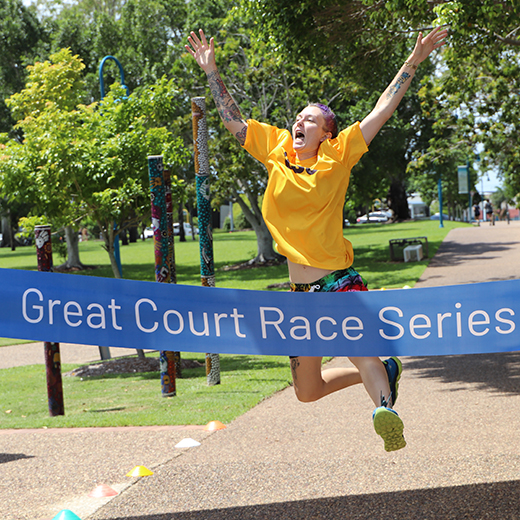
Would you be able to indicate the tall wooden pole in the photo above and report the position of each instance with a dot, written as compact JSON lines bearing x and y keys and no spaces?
{"x":163,"y":247}
{"x":207,"y":271}
{"x":52,"y":350}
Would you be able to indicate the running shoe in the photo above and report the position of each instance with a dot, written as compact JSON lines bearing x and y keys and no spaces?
{"x":389,"y":426}
{"x":393,"y":369}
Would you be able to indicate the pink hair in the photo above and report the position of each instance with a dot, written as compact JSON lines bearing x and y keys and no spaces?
{"x":331,"y":123}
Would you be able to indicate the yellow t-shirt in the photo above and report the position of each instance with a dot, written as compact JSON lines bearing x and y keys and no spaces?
{"x":303,"y":201}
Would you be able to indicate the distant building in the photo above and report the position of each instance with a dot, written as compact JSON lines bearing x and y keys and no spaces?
{"x":418,"y":209}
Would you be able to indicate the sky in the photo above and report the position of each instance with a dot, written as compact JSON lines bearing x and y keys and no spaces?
{"x":491,"y":185}
{"x":489,"y":182}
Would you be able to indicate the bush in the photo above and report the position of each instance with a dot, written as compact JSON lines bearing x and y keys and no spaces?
{"x":240,"y":222}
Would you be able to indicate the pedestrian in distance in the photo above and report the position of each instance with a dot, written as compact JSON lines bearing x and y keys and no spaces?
{"x":490,"y":215}
{"x":309,"y":170}
{"x":476,"y":211}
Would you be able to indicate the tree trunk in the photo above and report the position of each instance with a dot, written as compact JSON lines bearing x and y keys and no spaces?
{"x":108,"y":238}
{"x":6,"y":232}
{"x":133,"y":234}
{"x":9,"y":232}
{"x":189,"y":209}
{"x":264,"y":240}
{"x":398,"y":200}
{"x":113,"y":263}
{"x":12,"y":237}
{"x":180,"y":218}
{"x":72,"y":239}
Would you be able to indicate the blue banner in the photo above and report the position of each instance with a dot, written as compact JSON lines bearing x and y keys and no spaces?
{"x":463,"y":319}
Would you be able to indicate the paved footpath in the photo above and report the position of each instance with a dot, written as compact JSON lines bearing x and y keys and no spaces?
{"x":321,"y":461}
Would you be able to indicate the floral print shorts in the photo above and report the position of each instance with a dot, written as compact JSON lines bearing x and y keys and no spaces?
{"x":344,"y":280}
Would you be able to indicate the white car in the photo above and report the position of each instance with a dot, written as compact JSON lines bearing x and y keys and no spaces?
{"x":437,"y":216}
{"x":374,"y":216}
{"x":147,"y":233}
{"x":187,"y":229}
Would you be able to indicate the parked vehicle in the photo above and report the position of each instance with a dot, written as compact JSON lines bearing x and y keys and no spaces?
{"x":374,"y":216}
{"x":147,"y":233}
{"x":437,"y":216}
{"x":187,"y":229}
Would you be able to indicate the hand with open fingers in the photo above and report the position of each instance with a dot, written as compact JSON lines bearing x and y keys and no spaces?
{"x":203,"y":52}
{"x":425,"y":46}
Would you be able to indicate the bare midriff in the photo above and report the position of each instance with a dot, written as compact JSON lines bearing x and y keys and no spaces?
{"x":299,"y":273}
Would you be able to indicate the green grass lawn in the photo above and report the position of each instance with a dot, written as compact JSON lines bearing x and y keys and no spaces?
{"x":370,"y":241}
{"x":135,"y":399}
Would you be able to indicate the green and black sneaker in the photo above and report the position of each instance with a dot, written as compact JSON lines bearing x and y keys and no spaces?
{"x":389,"y":426}
{"x":393,"y":369}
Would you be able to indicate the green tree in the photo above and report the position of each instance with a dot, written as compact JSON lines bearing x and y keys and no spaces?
{"x":483,"y":64}
{"x":450,"y":144}
{"x":144,"y":35}
{"x":20,"y":34}
{"x":481,"y":60}
{"x":363,"y":43}
{"x":87,"y":160}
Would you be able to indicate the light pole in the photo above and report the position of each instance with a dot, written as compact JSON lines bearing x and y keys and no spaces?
{"x":102,"y":91}
{"x":439,"y":191}
{"x":121,"y":75}
{"x":482,"y":196}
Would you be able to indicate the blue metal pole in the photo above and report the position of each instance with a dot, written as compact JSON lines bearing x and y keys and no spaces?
{"x":469,"y":193}
{"x":117,"y":253}
{"x":121,"y":75}
{"x":439,"y":190}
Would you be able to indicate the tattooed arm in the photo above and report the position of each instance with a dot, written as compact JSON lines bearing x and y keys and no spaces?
{"x":228,"y":110}
{"x":393,"y":94}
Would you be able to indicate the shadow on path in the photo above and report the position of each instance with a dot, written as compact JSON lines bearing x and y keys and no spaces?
{"x":10,"y":457}
{"x":455,"y":253}
{"x":499,"y":500}
{"x":494,"y":372}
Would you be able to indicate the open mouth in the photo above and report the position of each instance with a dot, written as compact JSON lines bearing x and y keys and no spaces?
{"x":299,"y":135}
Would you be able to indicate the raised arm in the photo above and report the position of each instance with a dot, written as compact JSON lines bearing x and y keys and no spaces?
{"x":228,"y":110}
{"x":393,"y":94}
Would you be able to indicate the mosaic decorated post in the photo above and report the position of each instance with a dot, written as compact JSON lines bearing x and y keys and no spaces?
{"x":207,"y":271}
{"x":163,"y":248}
{"x":52,"y":350}
{"x":171,"y":250}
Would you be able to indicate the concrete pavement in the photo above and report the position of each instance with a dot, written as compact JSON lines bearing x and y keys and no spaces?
{"x":33,"y":354}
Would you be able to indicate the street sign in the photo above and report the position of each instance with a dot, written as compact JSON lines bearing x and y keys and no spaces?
{"x":463,"y":179}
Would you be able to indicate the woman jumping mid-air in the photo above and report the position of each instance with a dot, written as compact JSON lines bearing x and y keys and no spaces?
{"x":309,"y":173}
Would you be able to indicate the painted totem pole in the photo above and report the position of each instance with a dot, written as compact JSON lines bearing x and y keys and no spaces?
{"x":207,"y":271}
{"x":163,"y":247}
{"x":171,"y":251}
{"x":52,"y":350}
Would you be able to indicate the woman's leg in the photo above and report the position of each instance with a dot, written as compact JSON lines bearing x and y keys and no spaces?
{"x":311,"y":383}
{"x":374,"y":377}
